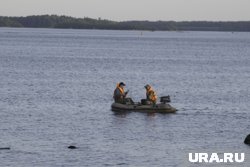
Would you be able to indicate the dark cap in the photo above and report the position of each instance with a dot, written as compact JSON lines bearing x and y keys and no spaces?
{"x":147,"y":86}
{"x":122,"y":84}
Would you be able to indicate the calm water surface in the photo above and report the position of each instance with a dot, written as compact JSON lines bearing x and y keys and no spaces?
{"x":56,"y":90}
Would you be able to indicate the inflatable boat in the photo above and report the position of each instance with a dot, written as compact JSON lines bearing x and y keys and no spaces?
{"x":146,"y":107}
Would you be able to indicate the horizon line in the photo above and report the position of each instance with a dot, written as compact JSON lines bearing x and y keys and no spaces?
{"x":130,"y":19}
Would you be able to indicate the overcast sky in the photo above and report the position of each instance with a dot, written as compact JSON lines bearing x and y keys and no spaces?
{"x":121,"y":10}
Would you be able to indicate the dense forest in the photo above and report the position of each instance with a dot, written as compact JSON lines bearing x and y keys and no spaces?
{"x":54,"y":21}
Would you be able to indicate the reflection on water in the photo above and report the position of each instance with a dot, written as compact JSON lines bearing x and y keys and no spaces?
{"x":121,"y":114}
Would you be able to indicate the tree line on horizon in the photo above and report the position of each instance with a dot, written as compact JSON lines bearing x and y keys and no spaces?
{"x":55,"y":21}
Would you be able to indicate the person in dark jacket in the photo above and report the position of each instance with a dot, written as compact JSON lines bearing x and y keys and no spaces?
{"x":119,"y":93}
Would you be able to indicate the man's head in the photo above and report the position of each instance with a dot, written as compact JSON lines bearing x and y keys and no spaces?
{"x":122,"y":84}
{"x":147,"y":86}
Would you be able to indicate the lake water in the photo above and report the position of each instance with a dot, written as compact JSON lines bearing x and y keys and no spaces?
{"x":56,"y":90}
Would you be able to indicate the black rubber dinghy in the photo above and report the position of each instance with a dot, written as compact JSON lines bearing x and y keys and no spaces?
{"x":149,"y":108}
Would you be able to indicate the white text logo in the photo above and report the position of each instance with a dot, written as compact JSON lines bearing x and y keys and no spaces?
{"x":214,"y":157}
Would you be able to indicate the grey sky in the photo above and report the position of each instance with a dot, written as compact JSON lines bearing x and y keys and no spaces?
{"x":212,"y":10}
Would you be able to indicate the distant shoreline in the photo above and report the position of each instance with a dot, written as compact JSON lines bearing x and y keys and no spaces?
{"x":66,"y":22}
